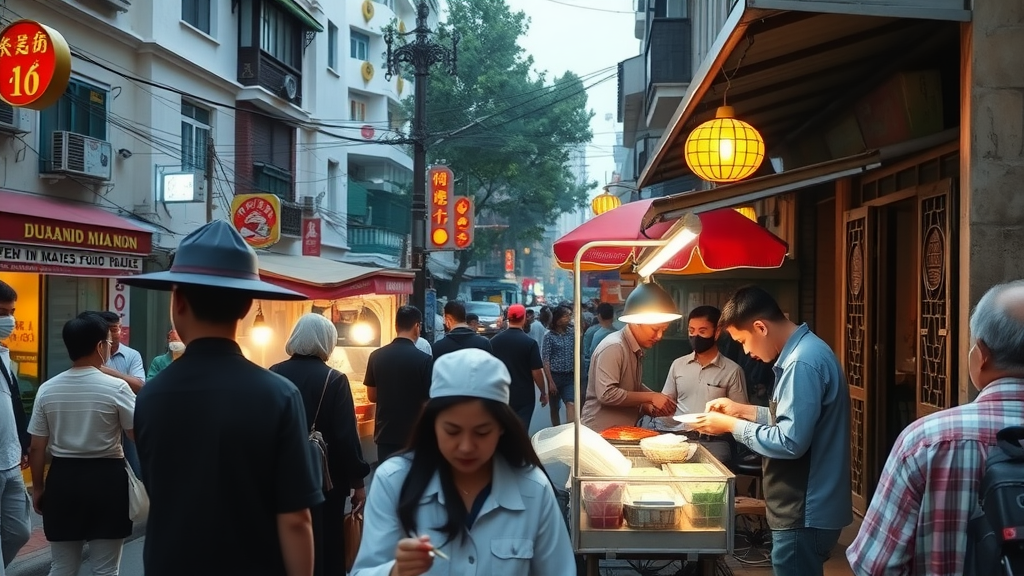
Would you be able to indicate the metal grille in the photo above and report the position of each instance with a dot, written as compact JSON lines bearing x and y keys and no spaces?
{"x":855,"y":303}
{"x":934,"y":303}
{"x":858,"y":452}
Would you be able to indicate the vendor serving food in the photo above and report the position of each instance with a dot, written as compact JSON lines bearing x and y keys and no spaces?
{"x":616,"y":395}
{"x":705,"y":375}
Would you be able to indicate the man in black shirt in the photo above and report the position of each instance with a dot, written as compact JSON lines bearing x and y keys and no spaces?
{"x":398,"y":380}
{"x":223,"y":442}
{"x":521,"y":356}
{"x":460,"y":335}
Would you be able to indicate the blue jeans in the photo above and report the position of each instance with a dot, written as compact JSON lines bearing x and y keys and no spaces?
{"x":15,"y":515}
{"x":131,"y":454}
{"x":802,"y":551}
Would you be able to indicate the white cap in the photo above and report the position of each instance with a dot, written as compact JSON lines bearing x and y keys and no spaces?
{"x":470,"y":372}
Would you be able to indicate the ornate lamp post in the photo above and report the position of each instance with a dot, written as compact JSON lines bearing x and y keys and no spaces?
{"x":421,"y":53}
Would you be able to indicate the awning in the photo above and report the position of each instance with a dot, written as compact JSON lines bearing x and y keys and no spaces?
{"x":790,"y":65}
{"x":324,"y":279}
{"x":307,"y":19}
{"x":46,"y":221}
{"x":746,"y":191}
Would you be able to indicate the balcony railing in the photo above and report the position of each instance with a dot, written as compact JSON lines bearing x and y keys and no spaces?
{"x":668,"y":54}
{"x":372,"y":240}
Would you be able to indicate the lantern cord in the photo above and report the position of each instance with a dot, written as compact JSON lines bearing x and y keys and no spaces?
{"x":728,"y":78}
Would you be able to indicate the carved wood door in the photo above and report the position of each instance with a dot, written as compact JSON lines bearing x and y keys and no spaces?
{"x":936,"y":360}
{"x":858,"y":352}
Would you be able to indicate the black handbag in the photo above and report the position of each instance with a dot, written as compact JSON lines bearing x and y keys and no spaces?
{"x":318,"y":446}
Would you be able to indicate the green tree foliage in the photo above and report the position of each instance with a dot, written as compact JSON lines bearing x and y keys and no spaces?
{"x":505,"y":129}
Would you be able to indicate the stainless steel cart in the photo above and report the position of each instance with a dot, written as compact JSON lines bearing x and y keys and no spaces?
{"x":698,"y":524}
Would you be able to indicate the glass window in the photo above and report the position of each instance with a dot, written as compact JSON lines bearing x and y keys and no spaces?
{"x":196,"y":13}
{"x":357,"y":111}
{"x":66,"y":297}
{"x":388,"y":3}
{"x":26,"y":341}
{"x":82,"y":109}
{"x":195,"y":132}
{"x":332,"y":45}
{"x":273,"y":180}
{"x":359,"y":46}
{"x":279,"y":35}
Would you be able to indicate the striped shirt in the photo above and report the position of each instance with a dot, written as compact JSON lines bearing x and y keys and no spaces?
{"x":917,"y":521}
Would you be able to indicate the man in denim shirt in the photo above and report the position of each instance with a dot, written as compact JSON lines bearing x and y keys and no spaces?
{"x":803,"y":435}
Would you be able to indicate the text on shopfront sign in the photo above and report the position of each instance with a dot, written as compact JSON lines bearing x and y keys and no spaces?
{"x":70,"y":235}
{"x":68,"y":258}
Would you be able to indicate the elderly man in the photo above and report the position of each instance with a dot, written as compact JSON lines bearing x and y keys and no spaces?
{"x":804,"y":435}
{"x":917,"y":521}
{"x":616,"y":395}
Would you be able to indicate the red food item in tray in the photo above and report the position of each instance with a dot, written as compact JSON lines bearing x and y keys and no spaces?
{"x":607,"y":522}
{"x":628,"y":433}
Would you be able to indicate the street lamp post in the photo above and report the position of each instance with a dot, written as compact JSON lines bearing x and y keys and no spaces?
{"x":421,"y":53}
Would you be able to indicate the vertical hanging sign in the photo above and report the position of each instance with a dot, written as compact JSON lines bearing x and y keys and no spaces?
{"x":464,"y":221}
{"x":310,"y":236}
{"x":119,"y":302}
{"x":441,"y":228}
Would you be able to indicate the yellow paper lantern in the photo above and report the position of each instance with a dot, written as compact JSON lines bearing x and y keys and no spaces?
{"x":604,"y":202}
{"x":724,"y":149}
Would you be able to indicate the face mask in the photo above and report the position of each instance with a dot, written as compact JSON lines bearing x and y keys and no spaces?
{"x":176,"y":348}
{"x":105,"y":353}
{"x":701,"y":344}
{"x":6,"y":326}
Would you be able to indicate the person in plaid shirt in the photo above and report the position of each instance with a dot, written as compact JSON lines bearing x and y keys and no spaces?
{"x":917,"y":521}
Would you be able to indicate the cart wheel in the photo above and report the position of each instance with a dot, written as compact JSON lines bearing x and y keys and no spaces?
{"x":593,"y":562}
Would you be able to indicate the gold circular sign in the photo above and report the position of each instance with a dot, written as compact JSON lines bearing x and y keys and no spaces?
{"x":855,"y":269}
{"x":368,"y":10}
{"x":367,"y":71}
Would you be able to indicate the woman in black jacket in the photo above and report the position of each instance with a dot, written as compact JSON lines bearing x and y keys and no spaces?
{"x":310,"y":345}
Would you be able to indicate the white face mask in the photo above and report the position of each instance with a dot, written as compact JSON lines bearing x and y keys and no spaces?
{"x":176,"y":348}
{"x":6,"y":326}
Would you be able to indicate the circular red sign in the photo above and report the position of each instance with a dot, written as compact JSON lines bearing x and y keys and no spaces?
{"x":368,"y":131}
{"x":255,"y":219}
{"x":35,"y":65}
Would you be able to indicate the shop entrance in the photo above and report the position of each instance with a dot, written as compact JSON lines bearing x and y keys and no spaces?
{"x":898,"y":334}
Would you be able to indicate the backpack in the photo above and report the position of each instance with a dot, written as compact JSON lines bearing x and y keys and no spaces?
{"x":995,"y":533}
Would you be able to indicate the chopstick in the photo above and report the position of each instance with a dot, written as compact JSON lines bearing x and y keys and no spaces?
{"x":433,"y":551}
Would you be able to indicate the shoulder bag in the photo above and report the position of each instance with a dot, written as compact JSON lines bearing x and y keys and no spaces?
{"x":317,"y":444}
{"x":138,"y":499}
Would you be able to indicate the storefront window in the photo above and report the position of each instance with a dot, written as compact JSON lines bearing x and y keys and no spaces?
{"x":66,"y":297}
{"x":25,"y":342}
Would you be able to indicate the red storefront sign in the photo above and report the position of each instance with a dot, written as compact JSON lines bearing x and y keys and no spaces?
{"x":510,"y":260}
{"x":376,"y":284}
{"x":310,"y":236}
{"x":41,"y":221}
{"x":257,"y":217}
{"x":464,"y":220}
{"x":35,"y":65}
{"x":441,"y":225}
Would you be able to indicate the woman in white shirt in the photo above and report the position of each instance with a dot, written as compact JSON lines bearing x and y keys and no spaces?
{"x":80,"y":414}
{"x":470,"y":496}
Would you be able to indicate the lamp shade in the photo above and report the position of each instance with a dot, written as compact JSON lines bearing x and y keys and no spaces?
{"x":649,"y":303}
{"x":604,"y":202}
{"x":724,"y":149}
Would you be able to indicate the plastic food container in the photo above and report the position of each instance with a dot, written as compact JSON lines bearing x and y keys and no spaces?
{"x":666,"y":448}
{"x":705,"y":502}
{"x":652,"y":507}
{"x":603,"y":503}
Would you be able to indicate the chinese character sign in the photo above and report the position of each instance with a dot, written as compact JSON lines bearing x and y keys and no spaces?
{"x":441,"y":226}
{"x":310,"y":236}
{"x":464,"y":221}
{"x":257,"y":217}
{"x":35,"y":65}
{"x":510,"y":260}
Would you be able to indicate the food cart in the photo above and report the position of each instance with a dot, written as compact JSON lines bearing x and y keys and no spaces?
{"x":672,"y":503}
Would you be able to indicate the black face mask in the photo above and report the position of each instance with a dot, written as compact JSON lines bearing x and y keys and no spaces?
{"x":700,"y":344}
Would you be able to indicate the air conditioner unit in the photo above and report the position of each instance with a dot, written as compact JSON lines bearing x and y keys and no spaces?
{"x":80,"y":155}
{"x":11,"y":119}
{"x":119,"y":5}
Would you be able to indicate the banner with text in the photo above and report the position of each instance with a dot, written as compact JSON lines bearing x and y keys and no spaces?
{"x":19,"y":258}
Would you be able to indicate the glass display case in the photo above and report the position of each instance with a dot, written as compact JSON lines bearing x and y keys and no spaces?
{"x":680,"y":507}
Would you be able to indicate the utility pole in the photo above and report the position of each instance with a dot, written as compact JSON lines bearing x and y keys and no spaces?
{"x":210,"y":151}
{"x":421,"y":53}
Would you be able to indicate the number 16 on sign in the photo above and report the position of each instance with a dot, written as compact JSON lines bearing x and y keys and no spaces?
{"x":35,"y":65}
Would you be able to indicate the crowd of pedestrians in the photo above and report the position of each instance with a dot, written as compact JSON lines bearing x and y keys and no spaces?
{"x":224,"y":446}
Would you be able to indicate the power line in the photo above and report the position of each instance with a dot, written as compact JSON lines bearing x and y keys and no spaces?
{"x":606,"y":10}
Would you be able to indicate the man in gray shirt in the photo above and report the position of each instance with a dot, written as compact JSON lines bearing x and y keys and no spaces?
{"x":705,"y":375}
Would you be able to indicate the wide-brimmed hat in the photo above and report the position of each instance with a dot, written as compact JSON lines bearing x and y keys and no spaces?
{"x":215,"y":255}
